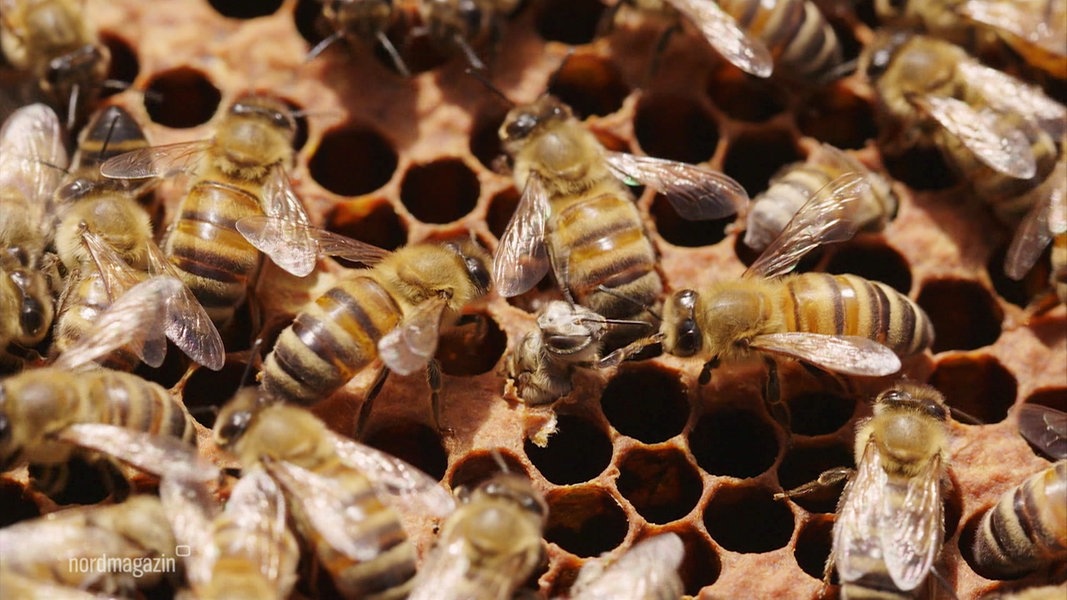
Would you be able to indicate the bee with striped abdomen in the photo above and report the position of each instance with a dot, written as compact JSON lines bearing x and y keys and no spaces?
{"x":648,"y":570}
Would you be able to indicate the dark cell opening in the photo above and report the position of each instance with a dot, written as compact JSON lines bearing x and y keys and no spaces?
{"x":245,"y":9}
{"x":569,"y":21}
{"x":124,"y":66}
{"x":415,"y":443}
{"x":978,"y":385}
{"x":646,"y":403}
{"x":353,"y":161}
{"x":501,"y":206}
{"x":838,"y":117}
{"x":819,"y":413}
{"x":681,"y":232}
{"x":871,"y":258}
{"x":964,"y":314}
{"x":1020,"y":293}
{"x":920,"y":169}
{"x":170,"y":372}
{"x":591,"y":85}
{"x":441,"y":191}
{"x":748,"y":520}
{"x":734,"y":443}
{"x":206,"y":390}
{"x":485,"y":138}
{"x":478,"y":466}
{"x":585,"y":521}
{"x":754,"y":157}
{"x":306,"y":17}
{"x":17,"y":502}
{"x":372,"y":221}
{"x":744,"y":97}
{"x":85,"y":482}
{"x":578,"y":452}
{"x":701,"y":566}
{"x":181,"y":98}
{"x":675,"y":127}
{"x":662,"y":485}
{"x":471,"y":347}
{"x":814,"y":542}
{"x":804,"y":464}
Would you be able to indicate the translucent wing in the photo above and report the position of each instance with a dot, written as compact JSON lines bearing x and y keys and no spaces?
{"x":187,"y":323}
{"x":857,"y":530}
{"x":722,"y":32}
{"x":32,"y":155}
{"x":1004,"y":150}
{"x":828,"y":216}
{"x":294,"y":249}
{"x":521,"y":258}
{"x":1043,"y":221}
{"x":649,"y":569}
{"x":1045,"y":428}
{"x":447,"y":572}
{"x":161,"y":455}
{"x":1036,"y":27}
{"x":696,"y":193}
{"x":398,"y":483}
{"x":156,"y":161}
{"x":1008,"y":94}
{"x":912,"y":529}
{"x":845,"y":354}
{"x":410,"y":346}
{"x":268,"y":235}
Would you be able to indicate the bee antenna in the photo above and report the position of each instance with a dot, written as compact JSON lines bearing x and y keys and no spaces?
{"x":498,"y":458}
{"x":839,"y":71}
{"x":964,"y":417}
{"x":323,"y":45}
{"x":480,"y":76}
{"x":110,"y":132}
{"x":648,"y":309}
{"x":253,"y":353}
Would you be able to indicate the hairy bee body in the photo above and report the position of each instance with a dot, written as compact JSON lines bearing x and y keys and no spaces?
{"x":795,"y":31}
{"x":465,"y":24}
{"x":1058,"y":257}
{"x":1027,"y":528}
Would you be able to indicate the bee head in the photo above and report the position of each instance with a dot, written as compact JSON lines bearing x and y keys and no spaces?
{"x":880,"y":53}
{"x":516,"y":489}
{"x":236,"y":417}
{"x":476,"y":262}
{"x":684,"y":336}
{"x":913,"y":397}
{"x":85,"y":65}
{"x":524,"y":120}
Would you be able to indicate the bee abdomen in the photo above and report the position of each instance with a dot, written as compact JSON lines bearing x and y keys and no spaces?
{"x":331,"y":341}
{"x":795,"y":31}
{"x":127,"y":400}
{"x":86,"y":300}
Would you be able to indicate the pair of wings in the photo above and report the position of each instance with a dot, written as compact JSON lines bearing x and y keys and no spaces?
{"x":726,"y":37}
{"x":1045,"y":428}
{"x":143,"y":311}
{"x":649,"y":569}
{"x":1046,"y":220}
{"x":33,"y":159}
{"x":292,"y":248}
{"x":695,"y":192}
{"x":889,"y":520}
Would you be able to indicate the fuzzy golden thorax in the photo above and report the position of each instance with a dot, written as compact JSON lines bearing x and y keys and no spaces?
{"x":720,"y":321}
{"x":115,"y":217}
{"x":255,"y":135}
{"x":455,"y":271}
{"x":908,"y":428}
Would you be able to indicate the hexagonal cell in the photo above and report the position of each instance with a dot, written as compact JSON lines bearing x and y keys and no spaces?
{"x":964,"y":314}
{"x":870,"y":257}
{"x":472,"y":347}
{"x":85,"y":482}
{"x":754,"y":156}
{"x":646,"y":403}
{"x":206,"y":390}
{"x":590,"y":84}
{"x":414,"y":442}
{"x":804,"y":464}
{"x":977,"y":385}
{"x":819,"y":413}
{"x":245,"y":9}
{"x":838,"y":117}
{"x":1020,"y":293}
{"x":747,"y":519}
{"x":479,"y":465}
{"x":440,"y":191}
{"x":734,"y":443}
{"x":744,"y":97}
{"x":920,"y":169}
{"x":167,"y":374}
{"x":124,"y":66}
{"x":1052,"y":397}
{"x":181,"y":97}
{"x":484,"y":140}
{"x":578,"y":452}
{"x":372,"y":221}
{"x":571,"y":22}
{"x":682,"y":232}
{"x":501,"y":206}
{"x":676,"y":127}
{"x":585,"y":521}
{"x":353,"y":160}
{"x":662,"y":485}
{"x":17,"y":502}
{"x":701,"y":565}
{"x":814,"y":542}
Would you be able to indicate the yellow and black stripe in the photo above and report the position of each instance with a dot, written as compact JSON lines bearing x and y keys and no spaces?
{"x":797,"y":34}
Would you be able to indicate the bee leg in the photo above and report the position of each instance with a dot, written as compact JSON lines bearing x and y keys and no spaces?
{"x":661,"y":46}
{"x":826,"y":479}
{"x":772,"y":396}
{"x":705,"y":371}
{"x":433,"y":377}
{"x":390,"y":49}
{"x":364,"y":411}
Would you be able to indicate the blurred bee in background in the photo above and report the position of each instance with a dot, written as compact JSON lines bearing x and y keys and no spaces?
{"x":344,"y":496}
{"x":795,"y":184}
{"x":890,"y":523}
{"x":1045,"y":223}
{"x":32,"y":163}
{"x":577,"y":215}
{"x":464,"y":25}
{"x":48,"y":550}
{"x":1045,"y":428}
{"x":359,"y":22}
{"x":840,"y":323}
{"x":104,"y":239}
{"x":1027,"y":528}
{"x":489,"y":546}
{"x":54,"y":42}
{"x":648,"y":570}
{"x":240,"y":172}
{"x":393,"y":311}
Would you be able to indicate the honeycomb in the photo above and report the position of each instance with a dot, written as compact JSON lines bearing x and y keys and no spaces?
{"x":645,"y":448}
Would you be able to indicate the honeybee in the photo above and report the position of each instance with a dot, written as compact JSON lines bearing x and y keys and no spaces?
{"x":489,"y":545}
{"x":1045,"y":223}
{"x":32,"y":159}
{"x":54,"y":42}
{"x":647,"y":571}
{"x":240,"y":172}
{"x":795,"y":184}
{"x":577,"y":215}
{"x":465,"y":24}
{"x":1027,"y":528}
{"x":890,"y":523}
{"x":344,"y":496}
{"x":1045,"y":428}
{"x":359,"y":22}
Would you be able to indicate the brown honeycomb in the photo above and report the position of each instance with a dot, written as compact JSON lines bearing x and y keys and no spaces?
{"x":644,"y":448}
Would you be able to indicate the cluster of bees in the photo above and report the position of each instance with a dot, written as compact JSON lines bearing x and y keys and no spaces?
{"x":87,"y":295}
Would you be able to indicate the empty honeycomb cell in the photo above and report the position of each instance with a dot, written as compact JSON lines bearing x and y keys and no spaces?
{"x":700,"y":566}
{"x":745,"y":97}
{"x":585,"y":521}
{"x":662,"y":485}
{"x":870,"y":257}
{"x":206,"y":389}
{"x":590,"y":85}
{"x":646,"y":403}
{"x":82,"y":481}
{"x":353,"y":160}
{"x":440,"y":191}
{"x":748,"y":519}
{"x":1052,"y":397}
{"x":754,"y":156}
{"x":306,"y":17}
{"x":976,"y":384}
{"x":472,"y":347}
{"x":413,"y":442}
{"x":819,"y":413}
{"x":1032,"y":286}
{"x":484,"y":141}
{"x":813,"y":545}
{"x":245,"y":9}
{"x":838,"y":117}
{"x":569,"y":21}
{"x":803,"y":464}
{"x":920,"y":169}
{"x":181,"y":97}
{"x":17,"y":503}
{"x":167,"y":374}
{"x":124,"y":66}
{"x":501,"y":206}
{"x":478,"y":466}
{"x":734,"y":443}
{"x":578,"y":452}
{"x":964,"y":314}
{"x":682,"y":232}
{"x":371,"y":220}
{"x":676,"y":127}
